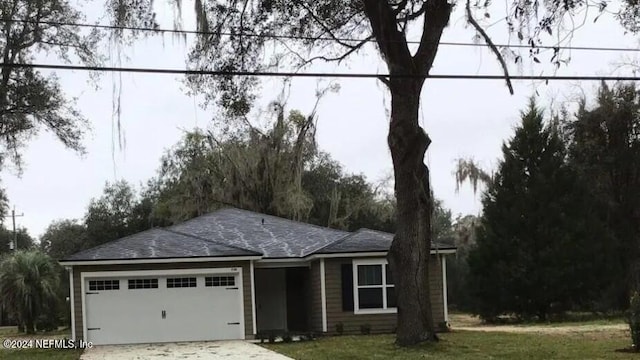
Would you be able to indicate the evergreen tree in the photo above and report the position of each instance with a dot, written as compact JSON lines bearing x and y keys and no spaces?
{"x":535,"y":245}
{"x":605,"y":151}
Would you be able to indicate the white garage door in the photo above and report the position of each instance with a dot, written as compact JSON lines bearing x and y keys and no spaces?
{"x":147,"y":306}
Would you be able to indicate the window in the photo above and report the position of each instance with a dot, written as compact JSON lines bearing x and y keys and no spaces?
{"x":220,"y":281}
{"x":143,"y":284}
{"x":100,"y":285}
{"x":374,"y":290}
{"x":181,"y":282}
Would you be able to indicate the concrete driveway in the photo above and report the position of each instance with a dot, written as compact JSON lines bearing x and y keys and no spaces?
{"x":229,"y":350}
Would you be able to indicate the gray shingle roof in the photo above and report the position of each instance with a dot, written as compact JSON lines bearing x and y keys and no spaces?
{"x":275,"y":238}
{"x":367,"y":240}
{"x":235,"y":232}
{"x":158,"y":244}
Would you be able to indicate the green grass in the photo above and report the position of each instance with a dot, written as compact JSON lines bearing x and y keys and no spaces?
{"x":465,"y":345}
{"x":9,"y":332}
{"x":41,"y":354}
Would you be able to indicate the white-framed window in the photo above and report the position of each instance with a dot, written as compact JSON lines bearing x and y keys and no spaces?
{"x":373,"y":287}
{"x":219,"y":281}
{"x":135,"y":284}
{"x":181,"y":282}
{"x":100,"y":285}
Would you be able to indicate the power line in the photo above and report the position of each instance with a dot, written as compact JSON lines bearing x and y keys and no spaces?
{"x":309,"y":38}
{"x":315,"y":74}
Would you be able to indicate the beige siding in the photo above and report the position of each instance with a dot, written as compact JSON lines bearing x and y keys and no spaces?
{"x":316,"y":297}
{"x":380,"y":323}
{"x":246,"y":282}
{"x":437,"y":300}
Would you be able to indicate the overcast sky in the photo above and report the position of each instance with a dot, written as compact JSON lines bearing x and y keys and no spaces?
{"x":463,"y":118}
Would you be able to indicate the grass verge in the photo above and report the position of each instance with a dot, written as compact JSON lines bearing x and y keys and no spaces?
{"x":466,"y":345}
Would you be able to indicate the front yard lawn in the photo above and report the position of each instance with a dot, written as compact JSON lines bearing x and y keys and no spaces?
{"x":41,"y":354}
{"x":11,"y":332}
{"x":466,"y":345}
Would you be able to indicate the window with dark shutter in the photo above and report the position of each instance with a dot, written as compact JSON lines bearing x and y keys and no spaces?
{"x":347,"y":287}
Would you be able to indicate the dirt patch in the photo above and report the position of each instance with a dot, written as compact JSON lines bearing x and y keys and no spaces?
{"x":545,"y":329}
{"x":470,"y":323}
{"x":464,"y":320}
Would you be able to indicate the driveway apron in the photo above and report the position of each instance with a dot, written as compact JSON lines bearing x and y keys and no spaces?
{"x":230,"y":350}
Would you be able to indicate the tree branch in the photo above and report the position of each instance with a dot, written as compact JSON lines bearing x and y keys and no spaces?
{"x":416,"y":14}
{"x":212,"y":139}
{"x":325,"y":27}
{"x":385,"y":81}
{"x":242,"y":52}
{"x":391,"y":41}
{"x":492,"y":46}
{"x":341,"y":57}
{"x":435,"y":20}
{"x":401,"y":6}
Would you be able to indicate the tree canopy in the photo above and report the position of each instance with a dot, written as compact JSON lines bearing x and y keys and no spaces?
{"x":114,"y":215}
{"x":24,"y":240}
{"x":276,"y":170}
{"x":29,"y":100}
{"x":63,"y":238}
{"x":605,"y":151}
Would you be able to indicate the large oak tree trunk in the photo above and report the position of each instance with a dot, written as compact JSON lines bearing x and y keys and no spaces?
{"x":409,"y":253}
{"x":410,"y":250}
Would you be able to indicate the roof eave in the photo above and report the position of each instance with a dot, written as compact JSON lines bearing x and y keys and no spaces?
{"x":195,"y":259}
{"x":370,"y":253}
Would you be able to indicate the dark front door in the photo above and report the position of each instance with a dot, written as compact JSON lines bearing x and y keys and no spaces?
{"x":271,"y":299}
{"x":297,"y":298}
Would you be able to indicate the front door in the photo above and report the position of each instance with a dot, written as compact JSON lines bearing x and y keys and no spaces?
{"x":271,"y":299}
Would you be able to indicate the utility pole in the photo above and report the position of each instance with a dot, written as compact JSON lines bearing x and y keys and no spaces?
{"x":13,"y":244}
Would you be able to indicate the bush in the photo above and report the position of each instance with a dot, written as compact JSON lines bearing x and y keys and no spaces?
{"x":287,"y":338}
{"x":340,"y":328}
{"x":47,"y":322}
{"x":365,"y":329}
{"x":444,"y":326}
{"x":634,"y":320}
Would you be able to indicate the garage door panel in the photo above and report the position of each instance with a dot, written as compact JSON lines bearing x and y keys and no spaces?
{"x":227,"y":322}
{"x":111,"y":316}
{"x":190,"y":313}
